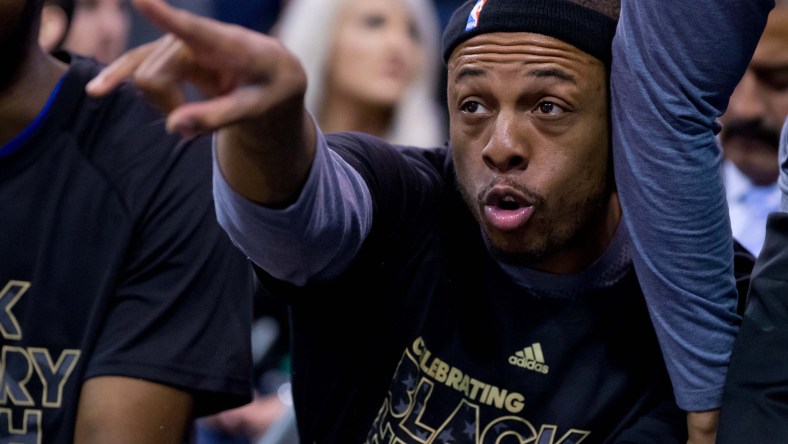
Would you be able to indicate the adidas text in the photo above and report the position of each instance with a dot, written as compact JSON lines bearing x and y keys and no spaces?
{"x":529,"y":364}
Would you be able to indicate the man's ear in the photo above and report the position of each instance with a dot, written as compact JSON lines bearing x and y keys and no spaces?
{"x":54,"y":25}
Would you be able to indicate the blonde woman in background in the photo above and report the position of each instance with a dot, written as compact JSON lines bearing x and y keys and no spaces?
{"x":371,"y":65}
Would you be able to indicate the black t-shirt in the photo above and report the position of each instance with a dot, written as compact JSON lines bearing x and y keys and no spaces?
{"x":424,"y":338}
{"x":114,"y":264}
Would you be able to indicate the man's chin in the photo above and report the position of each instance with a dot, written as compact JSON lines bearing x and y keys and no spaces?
{"x":514,"y":254}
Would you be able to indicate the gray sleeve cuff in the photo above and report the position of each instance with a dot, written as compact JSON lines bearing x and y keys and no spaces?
{"x":313,"y":239}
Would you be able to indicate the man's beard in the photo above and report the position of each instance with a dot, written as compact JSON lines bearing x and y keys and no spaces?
{"x":752,"y":129}
{"x":555,"y":242}
{"x":552,"y":241}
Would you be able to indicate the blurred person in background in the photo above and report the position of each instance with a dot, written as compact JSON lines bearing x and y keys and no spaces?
{"x":376,"y":71}
{"x":126,"y":310}
{"x":751,"y":132}
{"x":207,"y":50}
{"x":93,"y":28}
{"x":269,"y":418}
{"x":56,"y":16}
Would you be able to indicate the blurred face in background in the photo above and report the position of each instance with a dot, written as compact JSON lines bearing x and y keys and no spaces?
{"x":377,"y":52}
{"x":99,"y":28}
{"x":759,"y":105}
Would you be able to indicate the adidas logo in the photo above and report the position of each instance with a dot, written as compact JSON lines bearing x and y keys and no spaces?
{"x":530,"y":358}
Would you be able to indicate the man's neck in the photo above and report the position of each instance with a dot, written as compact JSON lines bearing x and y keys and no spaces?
{"x":27,"y":93}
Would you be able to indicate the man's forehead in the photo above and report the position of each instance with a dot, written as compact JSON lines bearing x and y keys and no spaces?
{"x":773,"y":46}
{"x":777,"y":25}
{"x":519,"y":47}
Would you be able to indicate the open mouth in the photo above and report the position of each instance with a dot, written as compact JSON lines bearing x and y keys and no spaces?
{"x":506,"y":197}
{"x":506,"y":209}
{"x":508,"y":203}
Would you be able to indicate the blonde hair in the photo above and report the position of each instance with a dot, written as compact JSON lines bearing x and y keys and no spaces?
{"x":306,"y":27}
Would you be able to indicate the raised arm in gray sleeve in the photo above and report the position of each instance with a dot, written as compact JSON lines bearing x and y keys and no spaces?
{"x":675,"y":64}
{"x":783,"y":158}
{"x":312,"y":240}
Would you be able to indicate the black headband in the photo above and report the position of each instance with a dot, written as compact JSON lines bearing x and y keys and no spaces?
{"x":586,"y":29}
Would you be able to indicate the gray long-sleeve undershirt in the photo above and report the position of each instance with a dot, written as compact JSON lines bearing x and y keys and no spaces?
{"x":316,"y":237}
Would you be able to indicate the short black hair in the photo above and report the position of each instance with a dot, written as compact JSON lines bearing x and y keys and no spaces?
{"x":610,"y":8}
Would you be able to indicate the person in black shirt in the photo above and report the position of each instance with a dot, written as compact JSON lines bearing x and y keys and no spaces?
{"x":126,"y":310}
{"x":468,"y":293}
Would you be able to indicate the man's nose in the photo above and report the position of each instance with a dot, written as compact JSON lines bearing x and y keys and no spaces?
{"x":747,"y":101}
{"x":505,"y":151}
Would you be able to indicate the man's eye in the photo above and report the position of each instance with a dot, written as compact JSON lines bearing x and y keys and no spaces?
{"x":413,"y":32}
{"x":775,"y":79}
{"x":549,"y":108}
{"x":472,"y":107}
{"x":87,"y":4}
{"x":374,"y":21}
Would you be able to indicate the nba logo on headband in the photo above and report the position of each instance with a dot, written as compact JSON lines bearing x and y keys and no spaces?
{"x":473,"y":17}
